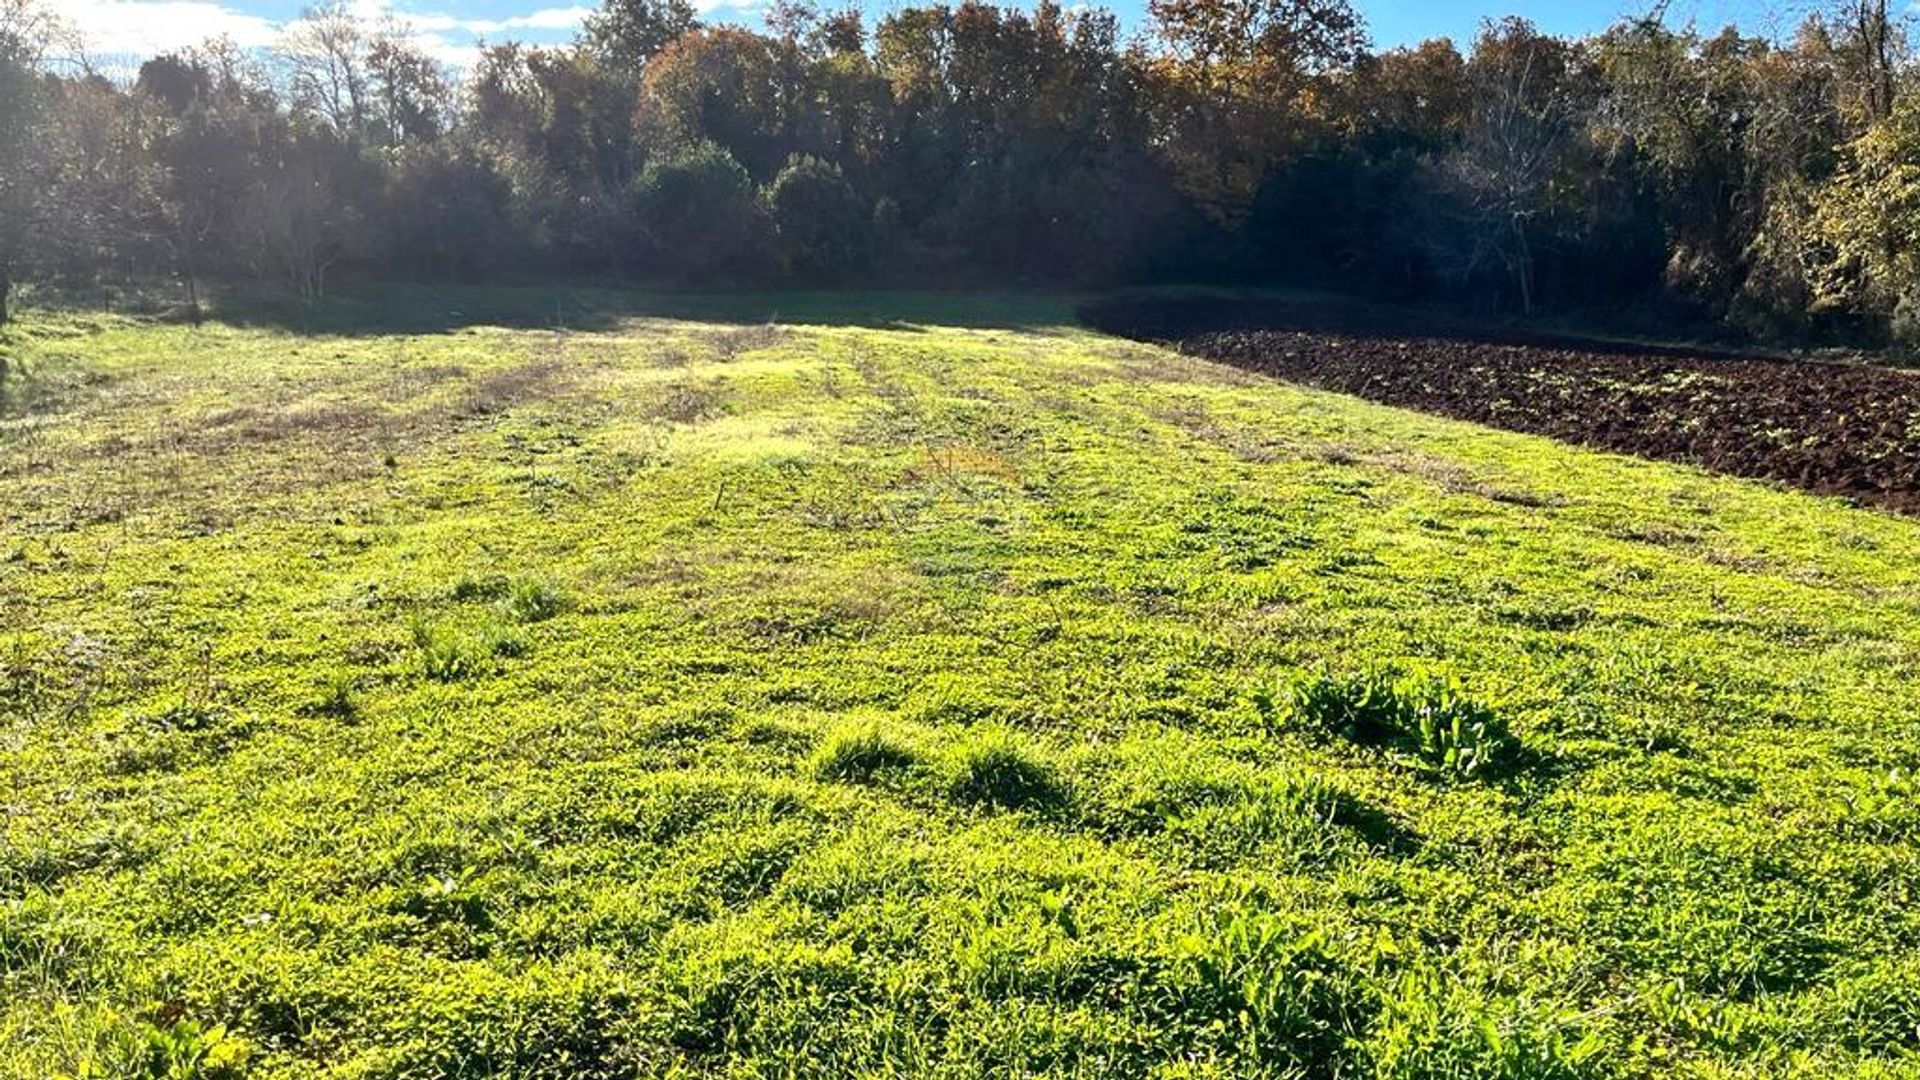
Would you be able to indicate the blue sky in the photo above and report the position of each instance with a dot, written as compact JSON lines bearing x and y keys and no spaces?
{"x":451,"y":28}
{"x":1399,"y":22}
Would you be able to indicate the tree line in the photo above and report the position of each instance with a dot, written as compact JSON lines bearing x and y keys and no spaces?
{"x":1771,"y":185}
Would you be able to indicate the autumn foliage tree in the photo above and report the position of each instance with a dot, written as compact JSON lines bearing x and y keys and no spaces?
{"x":1867,"y":221}
{"x":1755,"y":180}
{"x":1515,"y":165}
{"x":25,"y":166}
{"x":1239,"y":83}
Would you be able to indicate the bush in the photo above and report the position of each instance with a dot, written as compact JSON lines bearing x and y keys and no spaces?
{"x":821,"y":224}
{"x":696,"y":214}
{"x":451,"y":212}
{"x":1866,"y":225}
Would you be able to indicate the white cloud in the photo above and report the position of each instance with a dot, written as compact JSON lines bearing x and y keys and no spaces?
{"x":550,"y":18}
{"x":142,"y":28}
{"x":455,"y":41}
{"x":556,"y":18}
{"x":151,"y":27}
{"x":452,"y":53}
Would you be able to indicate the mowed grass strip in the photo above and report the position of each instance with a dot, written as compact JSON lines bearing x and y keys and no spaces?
{"x":915,"y":686}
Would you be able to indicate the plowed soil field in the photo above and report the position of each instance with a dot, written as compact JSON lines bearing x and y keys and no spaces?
{"x":1836,"y":429}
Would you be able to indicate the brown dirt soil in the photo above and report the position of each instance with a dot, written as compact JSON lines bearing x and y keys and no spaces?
{"x":1833,"y":429}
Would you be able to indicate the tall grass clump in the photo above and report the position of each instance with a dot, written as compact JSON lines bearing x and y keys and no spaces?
{"x":453,"y":654}
{"x":532,"y":600}
{"x":862,"y":754}
{"x":1429,"y":719}
{"x":337,"y":696}
{"x":1276,"y":993}
{"x":992,"y":768}
{"x":521,"y":599}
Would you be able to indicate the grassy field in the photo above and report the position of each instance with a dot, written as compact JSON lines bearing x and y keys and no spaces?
{"x":917,"y":686}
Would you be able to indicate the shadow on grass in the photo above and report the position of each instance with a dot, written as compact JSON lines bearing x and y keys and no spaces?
{"x":429,"y":309}
{"x":1377,"y":828}
{"x":1176,"y":314}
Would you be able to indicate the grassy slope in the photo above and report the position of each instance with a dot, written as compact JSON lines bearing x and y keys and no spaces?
{"x":663,"y":696}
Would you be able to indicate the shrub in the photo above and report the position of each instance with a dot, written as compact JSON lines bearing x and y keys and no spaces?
{"x":451,"y":212}
{"x":820,"y":222}
{"x":696,"y":213}
{"x":885,"y":230}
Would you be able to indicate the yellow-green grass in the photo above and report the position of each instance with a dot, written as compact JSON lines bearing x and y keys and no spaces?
{"x":556,"y":684}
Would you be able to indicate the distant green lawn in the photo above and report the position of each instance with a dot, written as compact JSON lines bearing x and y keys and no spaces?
{"x":922,"y":687}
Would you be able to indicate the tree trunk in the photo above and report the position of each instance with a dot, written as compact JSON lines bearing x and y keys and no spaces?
{"x":6,"y":291}
{"x":1523,"y":267}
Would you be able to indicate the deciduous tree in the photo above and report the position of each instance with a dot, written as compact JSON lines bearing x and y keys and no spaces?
{"x":1239,"y":83}
{"x":626,"y":34}
{"x":25,"y":166}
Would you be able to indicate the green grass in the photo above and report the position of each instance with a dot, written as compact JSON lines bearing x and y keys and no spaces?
{"x":917,"y":686}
